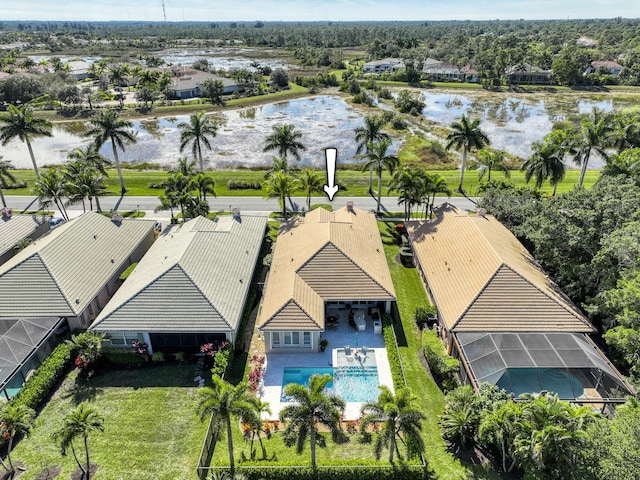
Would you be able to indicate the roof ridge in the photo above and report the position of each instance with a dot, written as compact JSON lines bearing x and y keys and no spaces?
{"x":224,"y":319}
{"x":476,"y":296}
{"x":44,"y":264}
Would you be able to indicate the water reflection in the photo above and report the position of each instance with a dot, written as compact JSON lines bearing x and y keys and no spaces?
{"x":512,"y":122}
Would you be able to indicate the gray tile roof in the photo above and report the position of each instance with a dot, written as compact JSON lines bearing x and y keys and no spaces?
{"x":15,"y":228}
{"x":195,"y":278}
{"x":62,"y":272}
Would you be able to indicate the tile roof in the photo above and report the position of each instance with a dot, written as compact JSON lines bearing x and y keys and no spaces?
{"x":195,"y":277}
{"x":483,"y":279}
{"x":62,"y":272}
{"x":324,"y":256}
{"x":17,"y":227}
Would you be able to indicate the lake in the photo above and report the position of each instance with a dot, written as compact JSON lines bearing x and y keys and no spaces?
{"x":511,"y":121}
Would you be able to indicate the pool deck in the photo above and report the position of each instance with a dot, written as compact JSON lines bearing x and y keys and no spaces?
{"x":338,"y":338}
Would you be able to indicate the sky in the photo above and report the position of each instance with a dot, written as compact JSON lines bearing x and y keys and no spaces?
{"x":309,"y":10}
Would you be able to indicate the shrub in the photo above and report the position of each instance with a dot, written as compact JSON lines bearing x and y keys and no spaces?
{"x":326,"y":206}
{"x":341,"y":473}
{"x":222,"y":360}
{"x":37,"y":388}
{"x":421,"y":314}
{"x":363,"y":97}
{"x":121,"y":356}
{"x":239,"y":185}
{"x":157,"y":357}
{"x":180,"y":357}
{"x":398,"y":123}
{"x":392,"y":351}
{"x":442,"y":365}
{"x":385,"y":94}
{"x":124,"y":275}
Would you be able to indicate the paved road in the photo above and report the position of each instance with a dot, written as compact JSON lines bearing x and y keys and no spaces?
{"x":245,"y":204}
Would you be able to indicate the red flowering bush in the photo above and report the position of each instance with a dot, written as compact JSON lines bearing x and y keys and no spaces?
{"x":255,"y":374}
{"x":140,"y":348}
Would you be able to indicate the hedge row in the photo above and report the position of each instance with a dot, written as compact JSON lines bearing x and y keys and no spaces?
{"x":36,"y":390}
{"x":442,"y":365}
{"x":336,"y":473}
{"x":121,"y":356}
{"x":239,"y":185}
{"x":392,"y":351}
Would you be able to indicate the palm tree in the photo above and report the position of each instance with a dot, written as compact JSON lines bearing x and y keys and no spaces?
{"x":15,"y":421}
{"x":23,"y":124}
{"x":310,"y":407}
{"x":186,"y":167}
{"x":408,"y":182}
{"x":310,"y":182}
{"x":370,"y":132}
{"x":488,"y":160}
{"x":595,"y":134}
{"x":378,"y":159}
{"x":278,"y":164}
{"x":108,"y":127}
{"x":498,"y":427}
{"x":285,"y":139}
{"x":280,"y":185}
{"x":224,"y":401}
{"x":88,"y":347}
{"x":79,"y":423}
{"x":434,"y":184}
{"x":90,"y":157}
{"x":545,"y":163}
{"x":256,"y":424}
{"x":466,"y":136}
{"x":197,"y":132}
{"x":204,"y":185}
{"x":401,"y":419}
{"x":51,"y":187}
{"x":5,"y":175}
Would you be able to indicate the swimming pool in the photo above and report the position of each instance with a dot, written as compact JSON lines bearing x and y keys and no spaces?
{"x":352,"y":383}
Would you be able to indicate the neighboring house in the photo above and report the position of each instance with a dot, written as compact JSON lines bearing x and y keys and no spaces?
{"x":387,"y":65}
{"x":586,"y":42}
{"x":186,"y":82}
{"x":501,"y":315}
{"x":14,"y":228}
{"x":430,"y":62}
{"x":325,"y":260}
{"x":190,"y":288}
{"x":60,"y":282}
{"x":444,"y":72}
{"x":79,"y":69}
{"x":529,"y":74}
{"x":611,"y":67}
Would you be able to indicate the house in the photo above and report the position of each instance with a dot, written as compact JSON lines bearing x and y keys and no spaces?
{"x":613,"y":68}
{"x":498,"y":312}
{"x":430,"y":62}
{"x":79,"y":69}
{"x":529,"y":74}
{"x":586,"y":42}
{"x":186,"y":82}
{"x":14,"y":228}
{"x":387,"y":65}
{"x":60,"y":282}
{"x":325,"y":260}
{"x":444,"y":72}
{"x":190,"y":288}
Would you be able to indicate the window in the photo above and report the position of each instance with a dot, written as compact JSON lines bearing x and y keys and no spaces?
{"x":275,"y":340}
{"x":291,"y":339}
{"x":123,"y":338}
{"x":306,"y":339}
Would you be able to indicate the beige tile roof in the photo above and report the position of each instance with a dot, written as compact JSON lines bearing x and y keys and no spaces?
{"x":322,"y":257}
{"x":483,"y":279}
{"x":195,"y":278}
{"x":62,"y":272}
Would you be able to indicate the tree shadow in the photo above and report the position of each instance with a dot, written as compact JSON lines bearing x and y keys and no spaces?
{"x":398,"y":327}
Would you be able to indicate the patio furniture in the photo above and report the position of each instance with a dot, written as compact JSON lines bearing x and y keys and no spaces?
{"x":360,"y":321}
{"x":352,"y":322}
{"x":332,"y":321}
{"x":377,"y":327}
{"x":375,"y":314}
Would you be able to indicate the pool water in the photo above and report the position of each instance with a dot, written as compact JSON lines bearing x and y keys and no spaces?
{"x":352,"y":383}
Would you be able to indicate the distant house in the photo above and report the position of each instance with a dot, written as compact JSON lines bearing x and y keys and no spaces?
{"x":387,"y":65}
{"x":529,"y":74}
{"x":501,"y":315}
{"x":15,"y":227}
{"x":444,"y":72}
{"x":613,"y":68}
{"x":586,"y":42}
{"x":430,"y":62}
{"x":190,"y":288}
{"x":186,"y":82}
{"x":79,"y":69}
{"x":323,"y":262}
{"x":60,"y":282}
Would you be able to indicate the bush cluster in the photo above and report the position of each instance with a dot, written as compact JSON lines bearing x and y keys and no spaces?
{"x":222,"y":361}
{"x":442,"y":365}
{"x":239,"y":185}
{"x":392,"y":351}
{"x":39,"y":386}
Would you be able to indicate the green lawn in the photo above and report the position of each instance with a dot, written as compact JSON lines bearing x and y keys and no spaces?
{"x":352,"y":181}
{"x":151,"y":429}
{"x":411,"y":293}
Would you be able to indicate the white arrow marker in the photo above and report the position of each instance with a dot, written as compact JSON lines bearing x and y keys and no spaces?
{"x":331,"y":189}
